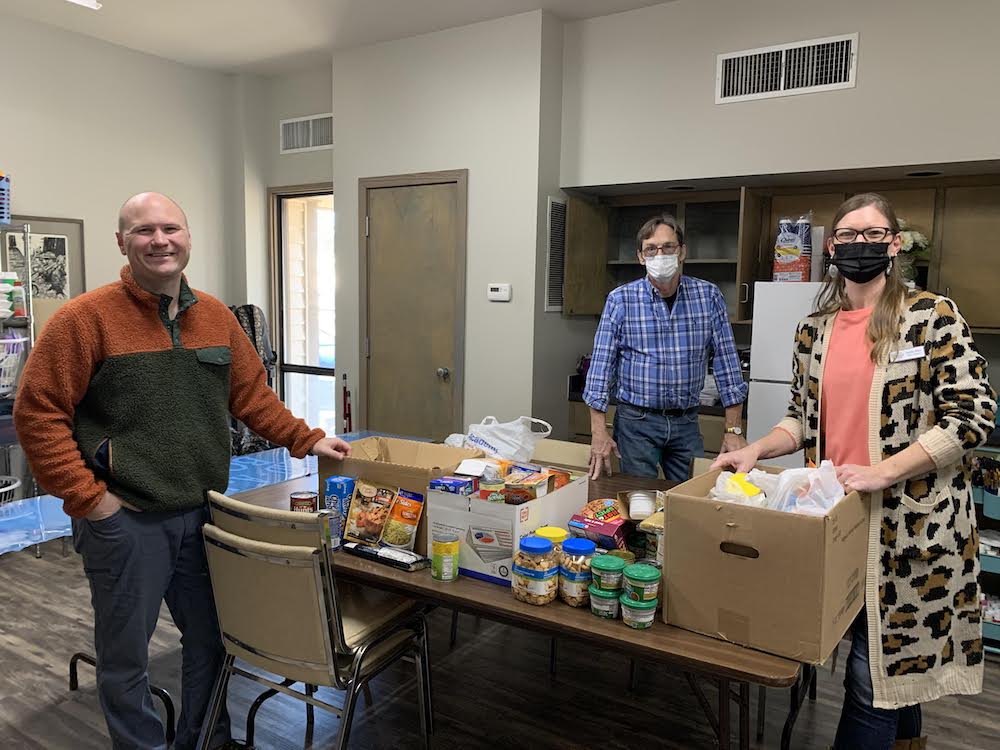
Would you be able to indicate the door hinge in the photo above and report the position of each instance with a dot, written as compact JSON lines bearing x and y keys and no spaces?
{"x":366,"y":226}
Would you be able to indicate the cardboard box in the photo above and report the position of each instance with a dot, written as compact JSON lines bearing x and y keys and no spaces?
{"x":785,"y":583}
{"x":530,"y":487}
{"x":489,"y":532}
{"x":407,"y":464}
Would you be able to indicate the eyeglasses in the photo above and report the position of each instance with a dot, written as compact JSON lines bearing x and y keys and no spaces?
{"x":872,"y":234}
{"x":667,"y":248}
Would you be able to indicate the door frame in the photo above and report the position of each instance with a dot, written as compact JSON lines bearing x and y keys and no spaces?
{"x":460,"y":177}
{"x":274,"y":196}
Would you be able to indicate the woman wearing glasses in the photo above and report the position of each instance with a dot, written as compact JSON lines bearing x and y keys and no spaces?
{"x":888,"y":385}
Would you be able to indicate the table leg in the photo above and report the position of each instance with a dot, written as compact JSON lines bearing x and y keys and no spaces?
{"x":706,"y":707}
{"x":744,"y":716}
{"x":798,"y":694}
{"x":761,"y":711}
{"x":724,"y":699}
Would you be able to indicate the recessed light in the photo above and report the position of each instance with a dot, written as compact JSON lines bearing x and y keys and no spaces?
{"x":92,"y":4}
{"x":925,"y":173}
{"x":680,"y":187}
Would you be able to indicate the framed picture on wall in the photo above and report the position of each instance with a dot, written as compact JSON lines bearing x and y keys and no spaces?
{"x":57,"y":270}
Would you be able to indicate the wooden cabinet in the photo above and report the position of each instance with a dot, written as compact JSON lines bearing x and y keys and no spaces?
{"x":730,"y":237}
{"x":721,"y":235}
{"x":969,"y":270}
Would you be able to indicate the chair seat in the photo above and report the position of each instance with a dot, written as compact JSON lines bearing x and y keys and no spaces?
{"x":365,"y":611}
{"x":377,"y":656}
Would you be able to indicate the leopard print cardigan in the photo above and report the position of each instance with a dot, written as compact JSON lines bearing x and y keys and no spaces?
{"x":922,"y":590}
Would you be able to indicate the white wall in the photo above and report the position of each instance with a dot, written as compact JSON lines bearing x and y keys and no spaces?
{"x":638,"y":100}
{"x":86,"y":124}
{"x":308,"y":92}
{"x":259,"y":105}
{"x":462,"y":98}
{"x":559,"y":341}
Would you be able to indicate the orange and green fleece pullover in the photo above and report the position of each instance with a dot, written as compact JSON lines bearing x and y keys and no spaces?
{"x":117,"y":396}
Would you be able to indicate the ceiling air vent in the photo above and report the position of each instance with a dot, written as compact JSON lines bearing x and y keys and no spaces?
{"x":555,"y":259}
{"x":787,"y":69}
{"x":312,"y":133}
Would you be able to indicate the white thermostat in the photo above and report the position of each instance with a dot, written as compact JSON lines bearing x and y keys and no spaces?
{"x":498,"y":292}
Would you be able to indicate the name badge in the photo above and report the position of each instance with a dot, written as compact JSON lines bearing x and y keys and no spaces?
{"x":905,"y":355}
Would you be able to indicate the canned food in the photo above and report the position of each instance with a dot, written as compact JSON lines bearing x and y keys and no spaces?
{"x":444,"y":556}
{"x":304,"y":502}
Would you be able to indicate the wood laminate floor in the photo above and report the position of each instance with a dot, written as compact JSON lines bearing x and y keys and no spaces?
{"x":493,"y":690}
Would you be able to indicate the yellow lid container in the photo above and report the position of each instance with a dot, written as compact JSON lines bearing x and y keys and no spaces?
{"x":554,"y":534}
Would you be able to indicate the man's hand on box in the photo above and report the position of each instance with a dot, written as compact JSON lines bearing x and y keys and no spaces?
{"x":331,"y":447}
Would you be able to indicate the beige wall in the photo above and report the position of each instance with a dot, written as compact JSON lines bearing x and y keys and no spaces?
{"x":464,"y":98}
{"x":260,"y":103}
{"x":559,"y":341}
{"x":639,"y":102}
{"x":86,"y":124}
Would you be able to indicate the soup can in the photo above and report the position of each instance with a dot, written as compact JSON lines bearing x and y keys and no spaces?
{"x":304,"y":502}
{"x":444,"y":556}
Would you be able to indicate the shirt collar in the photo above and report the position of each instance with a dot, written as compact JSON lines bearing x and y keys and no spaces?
{"x":185,"y":298}
{"x":652,"y":291}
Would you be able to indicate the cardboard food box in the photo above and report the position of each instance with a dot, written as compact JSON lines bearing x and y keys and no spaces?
{"x":601,"y":522}
{"x":490,"y":532}
{"x":524,"y":488}
{"x":786,"y":583}
{"x":394,"y":462}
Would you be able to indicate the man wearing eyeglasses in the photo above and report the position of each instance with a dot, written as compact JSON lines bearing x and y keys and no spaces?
{"x":651,"y":351}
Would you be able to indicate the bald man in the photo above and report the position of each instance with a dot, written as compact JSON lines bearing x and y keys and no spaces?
{"x":123,"y":412}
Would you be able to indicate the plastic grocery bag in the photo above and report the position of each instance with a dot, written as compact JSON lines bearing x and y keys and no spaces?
{"x":729,"y":489}
{"x":824,"y":491}
{"x":514,"y":441}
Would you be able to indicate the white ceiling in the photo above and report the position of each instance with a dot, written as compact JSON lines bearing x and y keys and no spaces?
{"x":274,"y":36}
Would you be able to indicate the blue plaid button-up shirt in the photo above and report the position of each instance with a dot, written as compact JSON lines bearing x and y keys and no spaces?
{"x":658,"y":356}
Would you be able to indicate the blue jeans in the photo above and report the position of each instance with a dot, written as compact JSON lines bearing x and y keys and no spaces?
{"x":862,"y":726}
{"x":135,"y":561}
{"x":646,"y":439}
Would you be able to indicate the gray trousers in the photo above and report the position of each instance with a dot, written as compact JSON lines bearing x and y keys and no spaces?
{"x":134,"y":562}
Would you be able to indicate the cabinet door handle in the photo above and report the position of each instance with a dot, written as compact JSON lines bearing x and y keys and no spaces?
{"x":947,"y":291}
{"x":746,"y":295}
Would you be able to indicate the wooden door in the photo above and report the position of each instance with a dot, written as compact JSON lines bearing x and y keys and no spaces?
{"x":585,"y":279}
{"x":970,"y":262}
{"x":415,"y":308}
{"x":753,"y":211}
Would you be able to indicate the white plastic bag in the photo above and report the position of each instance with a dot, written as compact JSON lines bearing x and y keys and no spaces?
{"x":824,"y":491}
{"x":728,"y":491}
{"x":514,"y":441}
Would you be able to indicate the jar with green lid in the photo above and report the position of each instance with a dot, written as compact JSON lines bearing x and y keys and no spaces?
{"x":554,"y":534}
{"x":535,"y":572}
{"x":574,"y":571}
{"x":604,"y":603}
{"x":641,"y":583}
{"x":607,"y":572}
{"x":638,"y":615}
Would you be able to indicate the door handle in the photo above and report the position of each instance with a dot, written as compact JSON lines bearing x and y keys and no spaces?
{"x":443,"y":373}
{"x":746,"y":296}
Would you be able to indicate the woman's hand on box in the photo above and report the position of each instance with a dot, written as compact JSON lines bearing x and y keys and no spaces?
{"x":863,"y":478}
{"x":331,"y":447}
{"x":741,"y":460}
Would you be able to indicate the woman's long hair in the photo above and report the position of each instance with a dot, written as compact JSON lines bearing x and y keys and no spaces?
{"x":883,"y":326}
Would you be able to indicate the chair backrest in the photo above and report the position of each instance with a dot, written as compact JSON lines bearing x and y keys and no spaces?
{"x":272,"y":605}
{"x":273,"y":526}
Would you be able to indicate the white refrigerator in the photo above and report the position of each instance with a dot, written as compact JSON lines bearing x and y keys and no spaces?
{"x":777,"y":309}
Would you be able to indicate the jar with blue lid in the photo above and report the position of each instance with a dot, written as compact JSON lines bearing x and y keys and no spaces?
{"x":574,"y":571}
{"x":535,"y":572}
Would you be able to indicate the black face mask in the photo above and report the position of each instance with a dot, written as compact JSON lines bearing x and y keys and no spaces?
{"x":861,"y":261}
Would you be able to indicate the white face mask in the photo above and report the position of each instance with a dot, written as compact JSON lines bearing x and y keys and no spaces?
{"x":662,"y":267}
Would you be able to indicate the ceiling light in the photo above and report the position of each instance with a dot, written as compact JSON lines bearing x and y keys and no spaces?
{"x":92,"y":4}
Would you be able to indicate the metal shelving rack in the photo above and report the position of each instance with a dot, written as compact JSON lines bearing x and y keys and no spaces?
{"x":989,"y":508}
